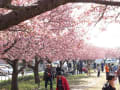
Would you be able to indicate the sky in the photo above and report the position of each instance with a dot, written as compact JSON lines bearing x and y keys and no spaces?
{"x":110,"y":38}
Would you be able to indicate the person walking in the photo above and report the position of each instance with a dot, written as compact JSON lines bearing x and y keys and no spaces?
{"x":78,"y":67}
{"x":74,"y":67}
{"x":69,"y":66}
{"x":98,"y":70}
{"x":110,"y":67}
{"x":48,"y":76}
{"x":59,"y":69}
{"x":88,"y":69}
{"x":102,"y":67}
{"x":94,"y":67}
{"x":107,"y":71}
{"x":62,"y":83}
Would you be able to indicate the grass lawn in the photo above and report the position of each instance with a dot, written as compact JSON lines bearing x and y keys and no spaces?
{"x":27,"y":83}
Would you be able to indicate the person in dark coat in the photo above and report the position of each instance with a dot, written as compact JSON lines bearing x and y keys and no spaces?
{"x":59,"y":69}
{"x":110,"y":85}
{"x":94,"y":66}
{"x":98,"y":70}
{"x":102,"y":67}
{"x":48,"y":77}
{"x":80,"y":67}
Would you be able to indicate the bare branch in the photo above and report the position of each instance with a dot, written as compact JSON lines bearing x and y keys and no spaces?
{"x":24,"y":65}
{"x":18,"y":30}
{"x":117,"y":16}
{"x":30,"y":66}
{"x":101,"y":16}
{"x":12,"y":45}
{"x":40,"y":60}
{"x":47,"y":59}
{"x":4,"y":45}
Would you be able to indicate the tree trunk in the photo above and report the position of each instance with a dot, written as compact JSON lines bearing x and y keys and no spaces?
{"x":14,"y":84}
{"x":36,"y":75}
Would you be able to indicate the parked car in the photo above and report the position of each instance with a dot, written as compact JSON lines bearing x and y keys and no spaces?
{"x":112,"y":61}
{"x":2,"y":72}
{"x":6,"y":70}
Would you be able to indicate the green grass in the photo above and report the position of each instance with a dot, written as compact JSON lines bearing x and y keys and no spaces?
{"x":27,"y":83}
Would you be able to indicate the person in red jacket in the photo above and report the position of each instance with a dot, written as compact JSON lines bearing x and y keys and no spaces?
{"x":62,"y":83}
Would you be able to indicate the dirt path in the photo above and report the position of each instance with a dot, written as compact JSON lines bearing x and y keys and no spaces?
{"x":91,"y":83}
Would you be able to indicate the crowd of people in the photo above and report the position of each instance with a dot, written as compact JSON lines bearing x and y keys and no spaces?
{"x":73,"y":67}
{"x":112,"y":72}
{"x":62,"y":83}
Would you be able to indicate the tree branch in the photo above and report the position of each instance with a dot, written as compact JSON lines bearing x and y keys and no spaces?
{"x":101,"y":16}
{"x":14,"y":7}
{"x":40,"y":60}
{"x":4,"y":3}
{"x":22,"y":14}
{"x":18,"y":30}
{"x":8,"y":61}
{"x":30,"y":66}
{"x":24,"y":65}
{"x":4,"y":45}
{"x":47,"y":59}
{"x":117,"y":16}
{"x":12,"y":45}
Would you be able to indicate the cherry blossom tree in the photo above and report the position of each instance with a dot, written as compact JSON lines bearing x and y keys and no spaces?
{"x":12,"y":54}
{"x":58,"y":34}
{"x":32,"y":8}
{"x":19,"y":47}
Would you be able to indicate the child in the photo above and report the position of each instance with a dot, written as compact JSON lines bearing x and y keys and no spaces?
{"x":62,"y":83}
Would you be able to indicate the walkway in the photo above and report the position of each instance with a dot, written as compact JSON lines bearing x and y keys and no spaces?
{"x":91,"y":83}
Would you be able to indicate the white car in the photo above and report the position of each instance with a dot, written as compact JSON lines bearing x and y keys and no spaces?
{"x":114,"y":61}
{"x":2,"y":72}
{"x":6,"y":70}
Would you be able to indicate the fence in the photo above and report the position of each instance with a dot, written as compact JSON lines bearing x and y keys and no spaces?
{"x":7,"y":77}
